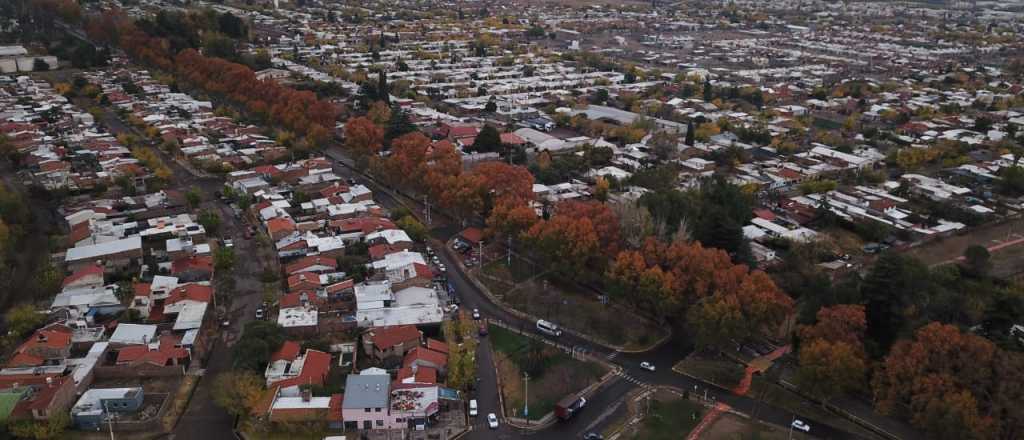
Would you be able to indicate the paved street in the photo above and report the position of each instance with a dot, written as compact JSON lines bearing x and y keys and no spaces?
{"x":664,"y":357}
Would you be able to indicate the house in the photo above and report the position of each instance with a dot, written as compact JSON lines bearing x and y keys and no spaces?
{"x":47,"y":346}
{"x":404,"y":269}
{"x":313,"y":263}
{"x":299,"y":321}
{"x":303,"y":281}
{"x":114,"y":254}
{"x":90,"y":276}
{"x":90,"y":412}
{"x":365,"y":405}
{"x":286,"y":371}
{"x":164,"y":352}
{"x":383,"y":342}
{"x":281,"y":405}
{"x":34,"y":396}
{"x":416,"y":374}
{"x":133,"y":334}
{"x":187,"y":295}
{"x":193,"y":268}
{"x":378,"y":306}
{"x":425,"y":357}
{"x":280,"y":227}
{"x":414,"y":404}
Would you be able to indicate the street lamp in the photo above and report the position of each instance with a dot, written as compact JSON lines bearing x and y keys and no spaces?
{"x":526,"y":397}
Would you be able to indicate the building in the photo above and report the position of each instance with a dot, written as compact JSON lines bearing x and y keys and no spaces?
{"x":365,"y":404}
{"x":384,"y":342}
{"x":92,"y":409}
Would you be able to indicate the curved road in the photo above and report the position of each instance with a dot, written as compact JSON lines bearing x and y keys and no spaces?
{"x":664,"y":357}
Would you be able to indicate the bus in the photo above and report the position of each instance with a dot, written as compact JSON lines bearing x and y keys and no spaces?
{"x":548,"y":328}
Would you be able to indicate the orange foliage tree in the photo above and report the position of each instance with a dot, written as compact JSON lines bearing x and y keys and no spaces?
{"x":363,"y":138}
{"x":832,"y":357}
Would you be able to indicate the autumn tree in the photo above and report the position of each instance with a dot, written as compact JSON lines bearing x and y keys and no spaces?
{"x":379,"y":113}
{"x":565,"y":242}
{"x":406,"y":166}
{"x":363,"y":138}
{"x":237,"y":392}
{"x":510,"y":218}
{"x":830,"y":368}
{"x":935,"y":381}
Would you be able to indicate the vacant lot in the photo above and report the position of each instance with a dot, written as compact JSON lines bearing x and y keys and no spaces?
{"x":949,"y":248}
{"x":775,"y":395}
{"x":553,"y":374}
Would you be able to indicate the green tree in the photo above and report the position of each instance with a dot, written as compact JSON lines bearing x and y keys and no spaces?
{"x":416,"y":230}
{"x":398,"y":125}
{"x":224,"y":259}
{"x":488,"y":140}
{"x":23,"y":319}
{"x":237,"y":392}
{"x":193,"y":197}
{"x":210,"y":221}
{"x":977,"y":260}
{"x":51,"y":428}
{"x":259,"y":340}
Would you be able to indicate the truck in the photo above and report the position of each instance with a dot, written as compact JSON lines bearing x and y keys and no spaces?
{"x":569,"y":406}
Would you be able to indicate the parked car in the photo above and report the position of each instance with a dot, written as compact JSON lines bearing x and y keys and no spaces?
{"x":800,"y":425}
{"x":259,"y":314}
{"x":593,"y":436}
{"x":476,"y":313}
{"x":483,"y":329}
{"x":229,"y":243}
{"x":647,"y":366}
{"x":472,"y":407}
{"x":492,"y":421}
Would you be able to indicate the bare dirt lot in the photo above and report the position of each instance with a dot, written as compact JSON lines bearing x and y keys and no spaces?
{"x":1006,"y":260}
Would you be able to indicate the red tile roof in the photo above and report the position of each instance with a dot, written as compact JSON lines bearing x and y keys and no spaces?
{"x":422,"y":375}
{"x":195,"y":262}
{"x":334,"y":414}
{"x":423,"y":271}
{"x":90,"y":270}
{"x":280,"y":224}
{"x":431,"y":356}
{"x":305,"y":263}
{"x":191,"y":291}
{"x":386,"y":337}
{"x":169,"y":349}
{"x":314,"y":370}
{"x":288,"y":352}
{"x":303,"y":280}
{"x":437,"y":346}
{"x":472,"y":235}
{"x":512,"y":139}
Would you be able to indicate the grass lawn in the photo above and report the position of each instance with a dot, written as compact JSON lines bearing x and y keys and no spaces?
{"x":556,"y":375}
{"x":720,"y":371}
{"x":732,"y":427}
{"x":580,"y":310}
{"x":776,"y":395}
{"x":670,"y":420}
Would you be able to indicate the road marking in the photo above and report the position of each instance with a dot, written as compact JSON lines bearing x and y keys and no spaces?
{"x":612,"y":355}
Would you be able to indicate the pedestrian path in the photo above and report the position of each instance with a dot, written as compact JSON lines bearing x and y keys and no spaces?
{"x":758,"y":365}
{"x":709,"y":419}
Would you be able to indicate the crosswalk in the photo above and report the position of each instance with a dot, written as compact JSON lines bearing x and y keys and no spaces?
{"x":611,"y":356}
{"x":633,"y":380}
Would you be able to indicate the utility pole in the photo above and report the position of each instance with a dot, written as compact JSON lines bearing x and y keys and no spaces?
{"x":510,"y":253}
{"x":481,"y":253}
{"x":526,"y":397}
{"x":426,"y":201}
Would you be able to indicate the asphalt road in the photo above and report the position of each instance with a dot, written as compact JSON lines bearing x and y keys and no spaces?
{"x":202,"y":418}
{"x":663,"y":357}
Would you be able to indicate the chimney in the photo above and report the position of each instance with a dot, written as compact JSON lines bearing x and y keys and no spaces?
{"x":307,"y":394}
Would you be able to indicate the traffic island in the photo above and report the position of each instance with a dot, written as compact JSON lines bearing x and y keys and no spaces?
{"x":529,"y":367}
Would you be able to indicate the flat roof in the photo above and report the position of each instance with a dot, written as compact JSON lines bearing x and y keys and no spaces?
{"x":103,"y":249}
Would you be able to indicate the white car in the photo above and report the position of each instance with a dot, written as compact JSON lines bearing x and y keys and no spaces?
{"x":472,"y":408}
{"x":492,"y":421}
{"x":476,"y":314}
{"x":647,"y":366}
{"x":799,"y":424}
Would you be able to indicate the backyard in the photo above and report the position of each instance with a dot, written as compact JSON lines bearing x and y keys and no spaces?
{"x":553,"y":374}
{"x":569,"y":306}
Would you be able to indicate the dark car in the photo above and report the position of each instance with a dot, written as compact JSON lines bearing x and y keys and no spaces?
{"x":593,"y":436}
{"x":483,"y":329}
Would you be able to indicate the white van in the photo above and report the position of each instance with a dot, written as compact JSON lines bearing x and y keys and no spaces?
{"x":472,"y":407}
{"x":548,"y":328}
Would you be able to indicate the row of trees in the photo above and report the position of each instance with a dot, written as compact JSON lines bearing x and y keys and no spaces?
{"x":298,"y":111}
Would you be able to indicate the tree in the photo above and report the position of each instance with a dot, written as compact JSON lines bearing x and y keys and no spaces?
{"x":830,"y":368}
{"x":488,"y":140}
{"x":491,"y":106}
{"x":23,"y":319}
{"x":933,"y":380}
{"x":363,"y":138}
{"x":210,"y":221}
{"x":536,"y":32}
{"x":601,"y":187}
{"x":259,"y":340}
{"x":51,"y":428}
{"x":977,"y":260}
{"x":379,"y":113}
{"x":893,"y":286}
{"x":708,"y":90}
{"x":416,"y":230}
{"x":238,"y":392}
{"x":193,"y":197}
{"x":224,"y":259}
{"x":382,"y":87}
{"x":843,"y":323}
{"x":567,"y":244}
{"x":39,"y":65}
{"x":510,"y":218}
{"x":399,"y":125}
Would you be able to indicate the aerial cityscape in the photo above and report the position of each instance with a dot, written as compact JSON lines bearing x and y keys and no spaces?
{"x":485,"y":219}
